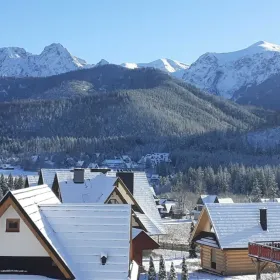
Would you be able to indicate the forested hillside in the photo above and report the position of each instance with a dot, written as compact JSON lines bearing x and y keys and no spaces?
{"x":127,"y":112}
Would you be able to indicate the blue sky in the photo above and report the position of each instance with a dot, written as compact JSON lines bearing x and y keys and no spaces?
{"x":139,"y":30}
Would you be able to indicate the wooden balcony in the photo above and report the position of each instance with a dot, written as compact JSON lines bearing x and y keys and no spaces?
{"x":265,"y":251}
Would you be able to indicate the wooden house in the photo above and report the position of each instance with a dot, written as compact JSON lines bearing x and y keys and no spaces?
{"x":41,"y":236}
{"x":224,"y":230}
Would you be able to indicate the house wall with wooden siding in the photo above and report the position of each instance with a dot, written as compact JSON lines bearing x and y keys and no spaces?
{"x":205,"y":255}
{"x":230,"y":262}
{"x":238,"y":263}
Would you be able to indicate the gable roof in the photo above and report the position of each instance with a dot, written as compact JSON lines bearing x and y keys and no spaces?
{"x":47,"y":175}
{"x":32,"y":180}
{"x":86,"y":231}
{"x":236,"y":224}
{"x":27,"y":201}
{"x":208,"y":198}
{"x":143,"y":195}
{"x":79,"y":233}
{"x":94,"y":190}
{"x":225,"y":200}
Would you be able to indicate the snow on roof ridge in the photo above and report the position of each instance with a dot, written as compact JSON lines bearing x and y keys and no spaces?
{"x":86,"y":205}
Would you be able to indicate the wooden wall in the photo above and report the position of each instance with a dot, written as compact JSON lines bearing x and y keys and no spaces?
{"x":238,"y":262}
{"x":230,"y":262}
{"x":205,"y":255}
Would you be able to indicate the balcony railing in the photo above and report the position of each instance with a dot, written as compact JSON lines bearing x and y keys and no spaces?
{"x":266,"y":251}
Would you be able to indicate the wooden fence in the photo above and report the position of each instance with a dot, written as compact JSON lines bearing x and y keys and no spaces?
{"x":174,"y":246}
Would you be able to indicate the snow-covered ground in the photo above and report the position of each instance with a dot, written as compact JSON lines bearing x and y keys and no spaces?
{"x":17,"y":172}
{"x":194,"y":267}
{"x":173,"y":222}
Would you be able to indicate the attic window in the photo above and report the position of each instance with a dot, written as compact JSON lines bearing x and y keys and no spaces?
{"x":12,"y":225}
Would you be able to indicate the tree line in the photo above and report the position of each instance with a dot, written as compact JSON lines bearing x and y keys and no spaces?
{"x":255,"y":182}
{"x":10,"y":183}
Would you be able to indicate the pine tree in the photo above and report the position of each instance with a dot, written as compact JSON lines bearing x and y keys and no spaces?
{"x":152,"y":275}
{"x":3,"y":185}
{"x":256,"y":193}
{"x":10,"y":182}
{"x":172,"y":273}
{"x":19,"y":183}
{"x":272,"y":185}
{"x":162,"y":275}
{"x":185,"y":273}
{"x":192,"y":252}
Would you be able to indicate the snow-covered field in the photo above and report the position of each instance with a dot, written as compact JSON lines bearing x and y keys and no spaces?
{"x":194,"y":268}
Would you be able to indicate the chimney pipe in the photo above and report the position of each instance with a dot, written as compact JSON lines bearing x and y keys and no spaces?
{"x":79,"y":175}
{"x":263,"y":218}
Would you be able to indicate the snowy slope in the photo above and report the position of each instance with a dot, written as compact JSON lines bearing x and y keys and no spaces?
{"x":167,"y":65}
{"x":226,"y":73}
{"x":54,"y":59}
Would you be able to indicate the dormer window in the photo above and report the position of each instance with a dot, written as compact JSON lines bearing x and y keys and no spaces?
{"x":12,"y":225}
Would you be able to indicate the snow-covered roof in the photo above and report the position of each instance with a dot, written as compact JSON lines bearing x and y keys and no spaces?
{"x":87,"y":231}
{"x":236,"y":224}
{"x":30,"y":199}
{"x":270,"y":199}
{"x":225,"y":200}
{"x":32,"y":180}
{"x":208,"y":198}
{"x":144,"y":196}
{"x":49,"y":174}
{"x":81,"y":233}
{"x":93,"y":190}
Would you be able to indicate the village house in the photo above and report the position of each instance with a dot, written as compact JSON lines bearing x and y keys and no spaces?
{"x":224,"y":230}
{"x":205,"y":198}
{"x":31,"y":181}
{"x":41,"y":236}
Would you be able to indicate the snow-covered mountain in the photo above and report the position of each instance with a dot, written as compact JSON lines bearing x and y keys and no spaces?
{"x":226,"y":73}
{"x":173,"y":67}
{"x":54,"y":59}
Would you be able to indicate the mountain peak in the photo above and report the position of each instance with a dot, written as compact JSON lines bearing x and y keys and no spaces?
{"x":226,"y":73}
{"x":163,"y":64}
{"x":266,"y":46}
{"x":102,"y":62}
{"x":55,"y":47}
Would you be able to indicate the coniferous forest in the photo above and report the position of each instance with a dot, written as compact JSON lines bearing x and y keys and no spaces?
{"x":114,"y":111}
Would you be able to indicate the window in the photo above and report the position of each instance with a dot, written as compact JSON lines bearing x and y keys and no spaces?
{"x":213,"y":258}
{"x":112,"y":201}
{"x":12,"y":225}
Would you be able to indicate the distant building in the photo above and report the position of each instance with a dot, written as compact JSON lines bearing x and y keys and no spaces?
{"x":276,"y":199}
{"x":205,"y":198}
{"x":117,"y":163}
{"x":155,"y":158}
{"x":7,"y":166}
